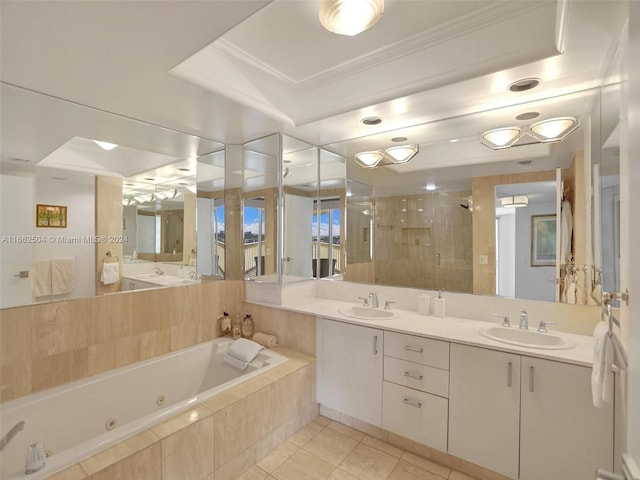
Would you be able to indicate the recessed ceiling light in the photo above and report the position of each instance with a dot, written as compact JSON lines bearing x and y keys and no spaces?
{"x":430,"y":187}
{"x":184,"y":169}
{"x":182,"y":183}
{"x":454,"y":140}
{"x":525,"y":162}
{"x":128,"y":184}
{"x":58,"y":178}
{"x":399,"y":139}
{"x":149,"y":179}
{"x":371,"y":120}
{"x":528,"y":116}
{"x":524,"y":84}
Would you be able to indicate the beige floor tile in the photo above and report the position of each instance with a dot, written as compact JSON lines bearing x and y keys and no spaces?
{"x":408,"y":471}
{"x":322,"y":420}
{"x":304,"y":466}
{"x":455,"y":475}
{"x":330,"y":446}
{"x":254,"y":473}
{"x":339,"y":474}
{"x":427,"y":465}
{"x":276,"y":458}
{"x":368,"y":463}
{"x":348,"y":431}
{"x":383,"y":446}
{"x":306,"y":433}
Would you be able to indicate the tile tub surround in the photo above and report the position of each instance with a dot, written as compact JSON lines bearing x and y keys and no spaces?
{"x":220,"y":438}
{"x":50,"y":344}
{"x":329,"y":450}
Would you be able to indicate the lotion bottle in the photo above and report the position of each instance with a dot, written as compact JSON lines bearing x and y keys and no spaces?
{"x":438,"y":305}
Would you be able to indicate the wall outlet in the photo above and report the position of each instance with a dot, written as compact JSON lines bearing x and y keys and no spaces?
{"x":484,"y":259}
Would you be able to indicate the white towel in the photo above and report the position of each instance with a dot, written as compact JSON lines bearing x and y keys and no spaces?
{"x":241,"y":353}
{"x":598,"y":384}
{"x":566,"y":229}
{"x":110,"y":273}
{"x":266,"y":340}
{"x":63,"y":271}
{"x":571,"y":293}
{"x":41,"y":278}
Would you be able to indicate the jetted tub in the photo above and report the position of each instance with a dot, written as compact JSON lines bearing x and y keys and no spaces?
{"x":81,"y":418}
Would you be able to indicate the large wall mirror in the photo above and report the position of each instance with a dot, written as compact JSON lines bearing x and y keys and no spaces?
{"x":432,"y":222}
{"x":83,"y":187}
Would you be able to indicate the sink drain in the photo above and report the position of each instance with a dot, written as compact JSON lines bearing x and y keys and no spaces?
{"x":111,"y":424}
{"x":160,"y":400}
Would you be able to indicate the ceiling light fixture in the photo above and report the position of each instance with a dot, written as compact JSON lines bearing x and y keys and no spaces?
{"x":553,"y":129}
{"x":500,"y":138}
{"x":402,"y":153}
{"x":369,"y":159}
{"x":105,"y":145}
{"x":516,"y":201}
{"x":545,"y":131}
{"x":350,"y":17}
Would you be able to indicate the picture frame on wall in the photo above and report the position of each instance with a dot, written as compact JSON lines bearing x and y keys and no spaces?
{"x":51,"y":216}
{"x":543,"y":240}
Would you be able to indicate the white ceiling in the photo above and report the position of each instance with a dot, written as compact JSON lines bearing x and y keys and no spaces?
{"x":232,"y":71}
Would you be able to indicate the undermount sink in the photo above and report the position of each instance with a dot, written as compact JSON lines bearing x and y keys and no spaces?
{"x":526,"y":338}
{"x":367,"y":313}
{"x":165,"y":280}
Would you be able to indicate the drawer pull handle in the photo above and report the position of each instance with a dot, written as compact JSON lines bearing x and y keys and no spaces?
{"x":509,"y":369}
{"x":531,"y":379}
{"x":413,"y":349}
{"x":413,"y":403}
{"x":375,"y":345}
{"x":413,"y":375}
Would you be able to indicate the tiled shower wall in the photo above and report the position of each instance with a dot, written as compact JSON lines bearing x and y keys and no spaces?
{"x":46,"y":345}
{"x":424,"y":241}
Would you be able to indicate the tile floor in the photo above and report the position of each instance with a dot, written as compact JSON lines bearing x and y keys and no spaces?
{"x":327,"y":450}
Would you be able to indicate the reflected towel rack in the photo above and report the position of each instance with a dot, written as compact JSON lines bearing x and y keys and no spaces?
{"x":109,"y":256}
{"x":607,"y":297}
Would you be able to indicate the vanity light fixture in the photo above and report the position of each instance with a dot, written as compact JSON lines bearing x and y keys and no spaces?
{"x":350,"y":17}
{"x":392,"y":155}
{"x":500,"y":138}
{"x":105,"y":145}
{"x":402,"y":153}
{"x":553,"y":129}
{"x":515,"y":201}
{"x":545,"y":131}
{"x":369,"y":159}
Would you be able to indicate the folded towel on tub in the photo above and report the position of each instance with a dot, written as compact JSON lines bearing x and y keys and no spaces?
{"x":241,"y":353}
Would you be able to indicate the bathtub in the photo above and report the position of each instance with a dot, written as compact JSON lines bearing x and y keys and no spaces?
{"x":81,"y":418}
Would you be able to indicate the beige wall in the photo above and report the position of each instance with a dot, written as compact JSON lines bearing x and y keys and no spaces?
{"x":108,"y":224}
{"x":189,"y":234}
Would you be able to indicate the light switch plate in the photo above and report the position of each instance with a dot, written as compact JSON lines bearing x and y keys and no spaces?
{"x":484,"y":259}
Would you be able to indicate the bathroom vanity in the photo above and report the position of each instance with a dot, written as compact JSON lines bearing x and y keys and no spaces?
{"x":525,"y":413}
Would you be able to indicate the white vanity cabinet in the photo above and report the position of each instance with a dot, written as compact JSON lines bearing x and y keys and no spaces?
{"x":525,"y":417}
{"x":350,"y":369}
{"x":134,"y":284}
{"x":484,"y":408}
{"x":415,"y":389}
{"x":562,"y":434}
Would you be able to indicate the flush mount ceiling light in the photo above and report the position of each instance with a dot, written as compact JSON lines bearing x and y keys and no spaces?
{"x":501,"y":137}
{"x":105,"y":145}
{"x":514,"y":202}
{"x":402,"y":153}
{"x":350,"y":17}
{"x":369,"y":159}
{"x":392,"y":155}
{"x":553,"y":129}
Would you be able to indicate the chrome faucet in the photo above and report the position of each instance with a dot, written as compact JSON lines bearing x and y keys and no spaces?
{"x":542,"y":328}
{"x":10,"y":434}
{"x":524,"y":320}
{"x":36,"y":458}
{"x":374,"y":300}
{"x":157,"y":271}
{"x":505,"y":319}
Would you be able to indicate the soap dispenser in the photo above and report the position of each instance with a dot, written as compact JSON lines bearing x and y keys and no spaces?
{"x":438,"y":305}
{"x":247,"y":326}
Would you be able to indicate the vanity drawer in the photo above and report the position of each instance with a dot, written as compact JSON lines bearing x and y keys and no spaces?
{"x":418,"y":376}
{"x":417,"y":349}
{"x":419,"y":416}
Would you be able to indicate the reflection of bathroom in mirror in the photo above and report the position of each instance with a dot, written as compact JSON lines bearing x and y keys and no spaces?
{"x":81,"y":163}
{"x":433,"y":217}
{"x":517,"y":274}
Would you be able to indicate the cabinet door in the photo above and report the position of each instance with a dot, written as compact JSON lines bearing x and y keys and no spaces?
{"x":484,"y":400}
{"x":350,"y":369}
{"x":563,"y":434}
